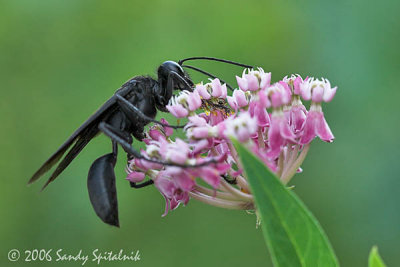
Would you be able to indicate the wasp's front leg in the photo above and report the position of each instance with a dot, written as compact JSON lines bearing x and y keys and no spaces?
{"x":134,"y":113}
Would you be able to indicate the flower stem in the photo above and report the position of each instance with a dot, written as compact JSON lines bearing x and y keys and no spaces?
{"x":280,"y":164}
{"x":261,"y":143}
{"x":242,"y":182}
{"x":221,"y":203}
{"x":237,"y":193}
{"x":287,"y":175}
{"x":213,"y":193}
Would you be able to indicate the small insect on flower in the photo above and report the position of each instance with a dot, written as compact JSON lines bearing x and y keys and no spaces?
{"x":122,"y":118}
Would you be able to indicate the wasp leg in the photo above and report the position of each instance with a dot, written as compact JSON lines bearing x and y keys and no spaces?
{"x":129,"y":110}
{"x":104,"y":127}
{"x":117,"y":137}
{"x":167,"y":92}
{"x":144,"y":184}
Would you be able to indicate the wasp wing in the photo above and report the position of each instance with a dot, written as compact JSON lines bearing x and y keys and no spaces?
{"x":80,"y":138}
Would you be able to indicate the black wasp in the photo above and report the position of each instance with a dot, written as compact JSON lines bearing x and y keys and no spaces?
{"x":124,"y":115}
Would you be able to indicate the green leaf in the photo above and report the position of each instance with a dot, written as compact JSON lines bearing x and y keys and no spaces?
{"x":293,"y":236}
{"x":374,"y":259}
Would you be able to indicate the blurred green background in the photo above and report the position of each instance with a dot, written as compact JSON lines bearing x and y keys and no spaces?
{"x":60,"y":60}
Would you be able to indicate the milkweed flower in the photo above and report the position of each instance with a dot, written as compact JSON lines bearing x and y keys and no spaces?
{"x":213,"y":89}
{"x":184,"y":104}
{"x":269,"y":118}
{"x":254,"y":80}
{"x":297,"y":111}
{"x":317,"y":91}
{"x":241,"y":127}
{"x":238,"y":99}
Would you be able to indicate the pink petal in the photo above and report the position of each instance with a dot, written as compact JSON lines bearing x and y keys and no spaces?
{"x":252,"y":82}
{"x":252,"y":107}
{"x":184,"y":181}
{"x":182,"y":146}
{"x":263,"y":99}
{"x":286,"y":87}
{"x":323,"y":130}
{"x":242,"y":83}
{"x":178,"y":111}
{"x":136,"y":177}
{"x":309,"y":128}
{"x":216,"y":117}
{"x":155,"y":134}
{"x":145,"y":165}
{"x":151,"y":165}
{"x":200,"y":145}
{"x":305,"y":90}
{"x":210,"y":176}
{"x":194,"y":101}
{"x":240,"y":98}
{"x":223,"y":168}
{"x":201,"y":89}
{"x":317,"y":94}
{"x":164,"y":185}
{"x":177,"y":157}
{"x":296,"y":85}
{"x":200,"y":132}
{"x":232,"y":102}
{"x":185,"y":198}
{"x":197,"y":121}
{"x":285,"y":131}
{"x":168,"y":130}
{"x":221,"y":127}
{"x":243,"y":134}
{"x":174,"y":203}
{"x":275,"y":138}
{"x":298,"y":117}
{"x":224,"y":91}
{"x":265,"y":80}
{"x":166,"y":206}
{"x":329,"y":94}
{"x":261,"y":116}
{"x":216,"y":88}
{"x":275,"y":142}
{"x":276,"y":99}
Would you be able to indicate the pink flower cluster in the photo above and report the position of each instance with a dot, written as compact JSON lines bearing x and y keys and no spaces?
{"x":269,"y":118}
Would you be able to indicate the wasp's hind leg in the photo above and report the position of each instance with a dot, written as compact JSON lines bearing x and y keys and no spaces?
{"x":144,"y":184}
{"x":102,"y":189}
{"x":118,"y":137}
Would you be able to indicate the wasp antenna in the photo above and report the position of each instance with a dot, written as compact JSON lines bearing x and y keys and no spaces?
{"x":215,"y":59}
{"x":208,"y":74}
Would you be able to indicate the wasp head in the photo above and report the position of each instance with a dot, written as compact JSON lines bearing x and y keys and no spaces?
{"x":180,"y":79}
{"x":171,"y":77}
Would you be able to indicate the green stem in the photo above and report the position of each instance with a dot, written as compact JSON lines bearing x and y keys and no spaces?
{"x":287,"y":175}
